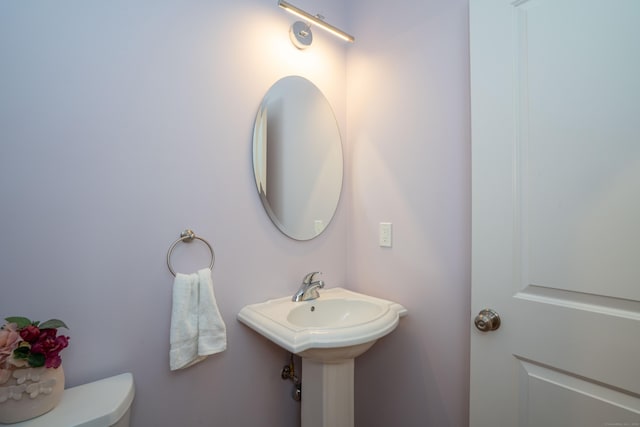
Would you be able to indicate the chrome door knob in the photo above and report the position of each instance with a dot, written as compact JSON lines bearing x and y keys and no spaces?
{"x":487,"y":320}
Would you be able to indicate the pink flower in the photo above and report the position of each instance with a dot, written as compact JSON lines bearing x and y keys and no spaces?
{"x":62,"y":341}
{"x":9,"y":340}
{"x":9,"y":335}
{"x":30,"y":333}
{"x":27,"y":343}
{"x":50,"y":346}
{"x":53,"y":361}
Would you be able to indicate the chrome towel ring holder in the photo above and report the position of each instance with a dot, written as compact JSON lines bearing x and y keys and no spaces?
{"x":187,"y":236}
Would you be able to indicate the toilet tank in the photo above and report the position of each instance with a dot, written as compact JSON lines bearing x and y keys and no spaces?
{"x":103,"y":403}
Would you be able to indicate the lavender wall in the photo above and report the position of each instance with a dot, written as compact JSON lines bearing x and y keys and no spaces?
{"x":122,"y":123}
{"x":409,"y":155}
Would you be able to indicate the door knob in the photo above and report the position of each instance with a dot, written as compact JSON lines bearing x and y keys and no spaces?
{"x":487,"y":320}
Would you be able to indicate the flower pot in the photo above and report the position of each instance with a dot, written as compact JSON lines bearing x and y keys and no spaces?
{"x":29,"y":392}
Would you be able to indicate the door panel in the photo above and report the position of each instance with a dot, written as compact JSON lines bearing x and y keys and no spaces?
{"x":556,"y":212}
{"x":578,"y":65}
{"x":558,"y":399}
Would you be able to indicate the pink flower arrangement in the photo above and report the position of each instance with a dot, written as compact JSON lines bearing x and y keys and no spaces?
{"x":25,"y":343}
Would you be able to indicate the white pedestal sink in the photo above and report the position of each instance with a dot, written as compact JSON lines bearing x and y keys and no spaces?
{"x":328,"y":333}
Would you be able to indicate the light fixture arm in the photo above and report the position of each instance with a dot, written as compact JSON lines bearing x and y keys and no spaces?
{"x":316,"y":20}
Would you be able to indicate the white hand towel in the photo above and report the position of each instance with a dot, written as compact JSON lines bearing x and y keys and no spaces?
{"x":212,"y":332}
{"x":197,"y":329}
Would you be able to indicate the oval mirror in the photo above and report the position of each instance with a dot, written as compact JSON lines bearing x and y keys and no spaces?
{"x":297,"y":158}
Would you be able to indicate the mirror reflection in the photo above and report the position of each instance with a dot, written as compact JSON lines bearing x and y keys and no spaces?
{"x":297,"y":158}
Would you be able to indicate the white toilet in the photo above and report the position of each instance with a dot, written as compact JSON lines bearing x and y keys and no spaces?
{"x":103,"y":403}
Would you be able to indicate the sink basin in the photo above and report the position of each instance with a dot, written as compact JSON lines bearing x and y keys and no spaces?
{"x":334,"y":313}
{"x":340,"y":324}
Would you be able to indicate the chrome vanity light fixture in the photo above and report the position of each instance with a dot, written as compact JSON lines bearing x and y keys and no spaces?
{"x":300,"y":32}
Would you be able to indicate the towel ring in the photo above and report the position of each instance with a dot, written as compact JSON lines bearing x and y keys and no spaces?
{"x":187,"y":236}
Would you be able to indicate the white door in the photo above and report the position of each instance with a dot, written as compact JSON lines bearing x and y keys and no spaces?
{"x":555,"y":88}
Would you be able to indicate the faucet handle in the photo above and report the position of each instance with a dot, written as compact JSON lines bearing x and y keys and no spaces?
{"x":309,"y":277}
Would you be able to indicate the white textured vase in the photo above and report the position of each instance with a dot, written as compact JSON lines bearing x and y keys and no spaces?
{"x":29,"y":392}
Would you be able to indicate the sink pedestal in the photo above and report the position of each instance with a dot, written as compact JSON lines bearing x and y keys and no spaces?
{"x":328,"y":333}
{"x":327,"y":385}
{"x":327,"y":393}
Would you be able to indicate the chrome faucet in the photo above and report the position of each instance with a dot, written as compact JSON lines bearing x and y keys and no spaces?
{"x":309,"y":289}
